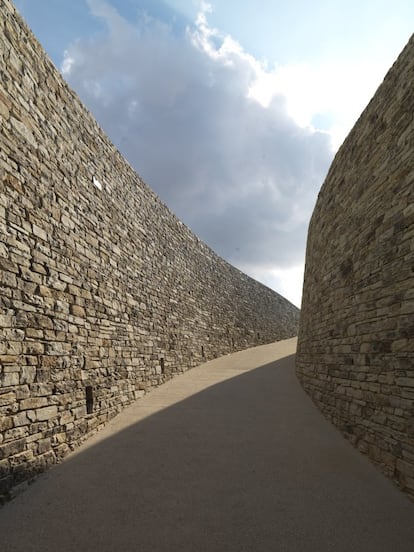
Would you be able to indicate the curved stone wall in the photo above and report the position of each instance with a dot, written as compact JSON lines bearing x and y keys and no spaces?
{"x":356,"y":340}
{"x":104,"y":293}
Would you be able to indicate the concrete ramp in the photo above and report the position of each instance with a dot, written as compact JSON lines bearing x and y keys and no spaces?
{"x":230,"y":456}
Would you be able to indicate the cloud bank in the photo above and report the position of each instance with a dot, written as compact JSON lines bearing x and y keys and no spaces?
{"x":183,"y":109}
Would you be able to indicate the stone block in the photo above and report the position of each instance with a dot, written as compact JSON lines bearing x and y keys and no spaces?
{"x":27,"y":374}
{"x":6,"y":321}
{"x":39,"y":232}
{"x":44,"y":414}
{"x":22,"y":392}
{"x":44,"y":445}
{"x":76,"y":310}
{"x":405,"y":382}
{"x":33,"y":403}
{"x":8,"y":359}
{"x":11,"y":449}
{"x":9,"y":379}
{"x":20,"y":419}
{"x":7,"y":398}
{"x":66,"y":418}
{"x":15,"y":433}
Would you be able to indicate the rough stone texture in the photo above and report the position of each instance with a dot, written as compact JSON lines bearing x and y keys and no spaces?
{"x":356,"y":339}
{"x":104,"y":293}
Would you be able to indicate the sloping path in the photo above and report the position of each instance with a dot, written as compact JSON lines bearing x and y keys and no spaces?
{"x":230,"y":457}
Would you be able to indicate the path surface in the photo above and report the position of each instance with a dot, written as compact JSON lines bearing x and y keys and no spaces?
{"x":230,"y":457}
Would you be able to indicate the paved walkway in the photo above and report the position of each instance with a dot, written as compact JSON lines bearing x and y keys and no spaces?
{"x":230,"y":457}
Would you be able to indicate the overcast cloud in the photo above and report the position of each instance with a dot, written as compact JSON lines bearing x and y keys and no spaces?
{"x":180,"y":107}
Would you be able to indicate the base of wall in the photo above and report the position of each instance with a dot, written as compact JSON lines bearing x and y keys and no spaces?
{"x":385,"y":456}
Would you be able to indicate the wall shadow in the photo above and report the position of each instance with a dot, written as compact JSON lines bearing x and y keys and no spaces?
{"x":247,"y":464}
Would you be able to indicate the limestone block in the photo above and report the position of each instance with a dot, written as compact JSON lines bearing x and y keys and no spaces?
{"x":22,"y":392}
{"x":6,"y":321}
{"x":44,"y":414}
{"x":33,"y":348}
{"x":9,"y":379}
{"x":20,"y":419}
{"x":16,"y":433}
{"x":33,"y":403}
{"x":76,"y":310}
{"x":7,"y":398}
{"x":405,"y":382}
{"x":22,"y":129}
{"x":5,"y":423}
{"x":22,"y":458}
{"x":44,"y":445}
{"x":4,"y":109}
{"x":12,"y":448}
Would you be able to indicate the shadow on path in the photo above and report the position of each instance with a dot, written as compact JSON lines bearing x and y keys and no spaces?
{"x":247,"y":464}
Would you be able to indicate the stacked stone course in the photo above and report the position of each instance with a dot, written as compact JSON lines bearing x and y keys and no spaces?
{"x":356,"y":339}
{"x":104,"y":293}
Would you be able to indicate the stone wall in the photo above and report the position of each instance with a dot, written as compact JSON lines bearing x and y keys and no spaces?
{"x":356,"y":340}
{"x":104,"y":293}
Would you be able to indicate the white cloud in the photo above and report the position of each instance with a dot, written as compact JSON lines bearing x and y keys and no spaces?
{"x":184,"y":110}
{"x":329,"y":91}
{"x":68,"y":61}
{"x":288,"y":281}
{"x":326,"y":96}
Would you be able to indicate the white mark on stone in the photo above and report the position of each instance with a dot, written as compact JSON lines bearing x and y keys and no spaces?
{"x":97,"y":183}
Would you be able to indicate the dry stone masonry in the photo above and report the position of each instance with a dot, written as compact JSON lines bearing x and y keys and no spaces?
{"x":356,"y":339}
{"x":104,"y":293}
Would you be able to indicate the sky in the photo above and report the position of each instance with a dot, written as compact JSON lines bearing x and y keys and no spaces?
{"x":230,"y":110}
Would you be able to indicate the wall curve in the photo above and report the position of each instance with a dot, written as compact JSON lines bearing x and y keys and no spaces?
{"x":356,"y":340}
{"x":104,"y":293}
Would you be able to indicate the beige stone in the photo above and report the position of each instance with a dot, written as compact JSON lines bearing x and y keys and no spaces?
{"x":47,"y":413}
